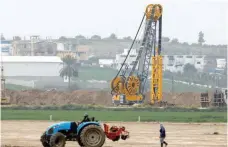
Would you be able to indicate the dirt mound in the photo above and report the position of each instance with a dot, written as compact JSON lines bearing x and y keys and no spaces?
{"x":38,"y":97}
{"x":187,"y":99}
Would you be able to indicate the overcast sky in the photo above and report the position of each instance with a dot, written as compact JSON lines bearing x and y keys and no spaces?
{"x":181,"y":19}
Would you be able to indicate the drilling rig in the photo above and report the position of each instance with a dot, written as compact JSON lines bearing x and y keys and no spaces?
{"x":128,"y":86}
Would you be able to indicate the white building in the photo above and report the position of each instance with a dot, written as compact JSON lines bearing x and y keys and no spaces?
{"x":121,"y":57}
{"x":176,"y":63}
{"x":5,"y":47}
{"x":106,"y":62}
{"x":43,"y":69}
{"x":60,"y":47}
{"x":221,"y":63}
{"x":32,"y":66}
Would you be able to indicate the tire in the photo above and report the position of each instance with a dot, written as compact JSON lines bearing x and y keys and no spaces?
{"x":92,"y":136}
{"x":43,"y":140}
{"x":123,"y":137}
{"x":80,"y":143}
{"x":116,"y":139}
{"x":57,"y":140}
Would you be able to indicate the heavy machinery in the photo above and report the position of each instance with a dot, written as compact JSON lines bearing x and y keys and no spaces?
{"x":88,"y":133}
{"x":128,"y":86}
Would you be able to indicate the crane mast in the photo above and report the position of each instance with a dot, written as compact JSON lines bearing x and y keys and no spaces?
{"x":128,"y":87}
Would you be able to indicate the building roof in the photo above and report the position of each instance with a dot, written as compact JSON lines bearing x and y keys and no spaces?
{"x":38,"y":59}
{"x":83,"y":48}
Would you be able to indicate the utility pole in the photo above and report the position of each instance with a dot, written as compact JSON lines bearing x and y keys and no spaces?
{"x":172,"y":85}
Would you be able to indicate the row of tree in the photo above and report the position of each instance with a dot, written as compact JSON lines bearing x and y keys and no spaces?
{"x":128,"y":38}
{"x":96,"y":37}
{"x":113,"y":36}
{"x":176,"y":41}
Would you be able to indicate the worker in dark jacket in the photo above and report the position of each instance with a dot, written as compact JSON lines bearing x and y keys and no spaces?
{"x":86,"y":118}
{"x":162,"y":135}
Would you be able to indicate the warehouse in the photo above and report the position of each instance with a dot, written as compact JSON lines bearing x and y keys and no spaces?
{"x":44,"y":70}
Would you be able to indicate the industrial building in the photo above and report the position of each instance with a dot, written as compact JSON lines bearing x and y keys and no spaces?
{"x":43,"y":70}
{"x":176,"y":63}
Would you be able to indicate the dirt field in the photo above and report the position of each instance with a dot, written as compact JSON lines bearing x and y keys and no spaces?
{"x":38,"y":97}
{"x":27,"y":134}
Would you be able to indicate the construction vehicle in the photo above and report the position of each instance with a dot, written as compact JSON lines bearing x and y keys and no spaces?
{"x":87,"y":133}
{"x":128,"y":86}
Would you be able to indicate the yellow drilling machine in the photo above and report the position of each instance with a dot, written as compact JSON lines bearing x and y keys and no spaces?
{"x":128,"y":86}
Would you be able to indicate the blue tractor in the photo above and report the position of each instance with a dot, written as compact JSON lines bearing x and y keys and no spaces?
{"x":88,"y":133}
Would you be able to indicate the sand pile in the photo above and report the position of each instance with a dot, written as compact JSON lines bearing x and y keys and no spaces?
{"x":38,"y":97}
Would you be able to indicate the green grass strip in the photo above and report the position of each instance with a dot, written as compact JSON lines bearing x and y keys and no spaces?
{"x":72,"y":115}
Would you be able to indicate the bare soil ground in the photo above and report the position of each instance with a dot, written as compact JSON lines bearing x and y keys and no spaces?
{"x":27,"y":134}
{"x":38,"y":97}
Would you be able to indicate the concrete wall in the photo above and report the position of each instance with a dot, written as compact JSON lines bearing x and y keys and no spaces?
{"x":37,"y":82}
{"x":36,"y":69}
{"x":42,"y":74}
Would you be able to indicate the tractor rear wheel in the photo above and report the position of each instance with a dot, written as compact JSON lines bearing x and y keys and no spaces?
{"x":57,"y":140}
{"x":92,"y":136}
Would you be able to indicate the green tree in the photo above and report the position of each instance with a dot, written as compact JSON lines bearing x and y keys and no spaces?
{"x":62,"y":38}
{"x":112,"y":36}
{"x":96,"y":37}
{"x":69,"y":70}
{"x":201,"y":38}
{"x":127,"y":38}
{"x":165,"y":39}
{"x":189,"y":69}
{"x":185,"y":43}
{"x":175,"y":41}
{"x":80,"y":37}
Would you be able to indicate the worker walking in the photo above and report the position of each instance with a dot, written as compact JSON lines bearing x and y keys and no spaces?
{"x":162,"y":135}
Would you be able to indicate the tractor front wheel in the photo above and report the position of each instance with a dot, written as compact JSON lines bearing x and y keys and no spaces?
{"x":92,"y":136}
{"x":57,"y":140}
{"x":44,"y":141}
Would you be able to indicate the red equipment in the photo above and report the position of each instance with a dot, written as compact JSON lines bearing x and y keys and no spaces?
{"x":114,"y":133}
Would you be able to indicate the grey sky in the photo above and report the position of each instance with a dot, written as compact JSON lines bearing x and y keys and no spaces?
{"x":55,"y":18}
